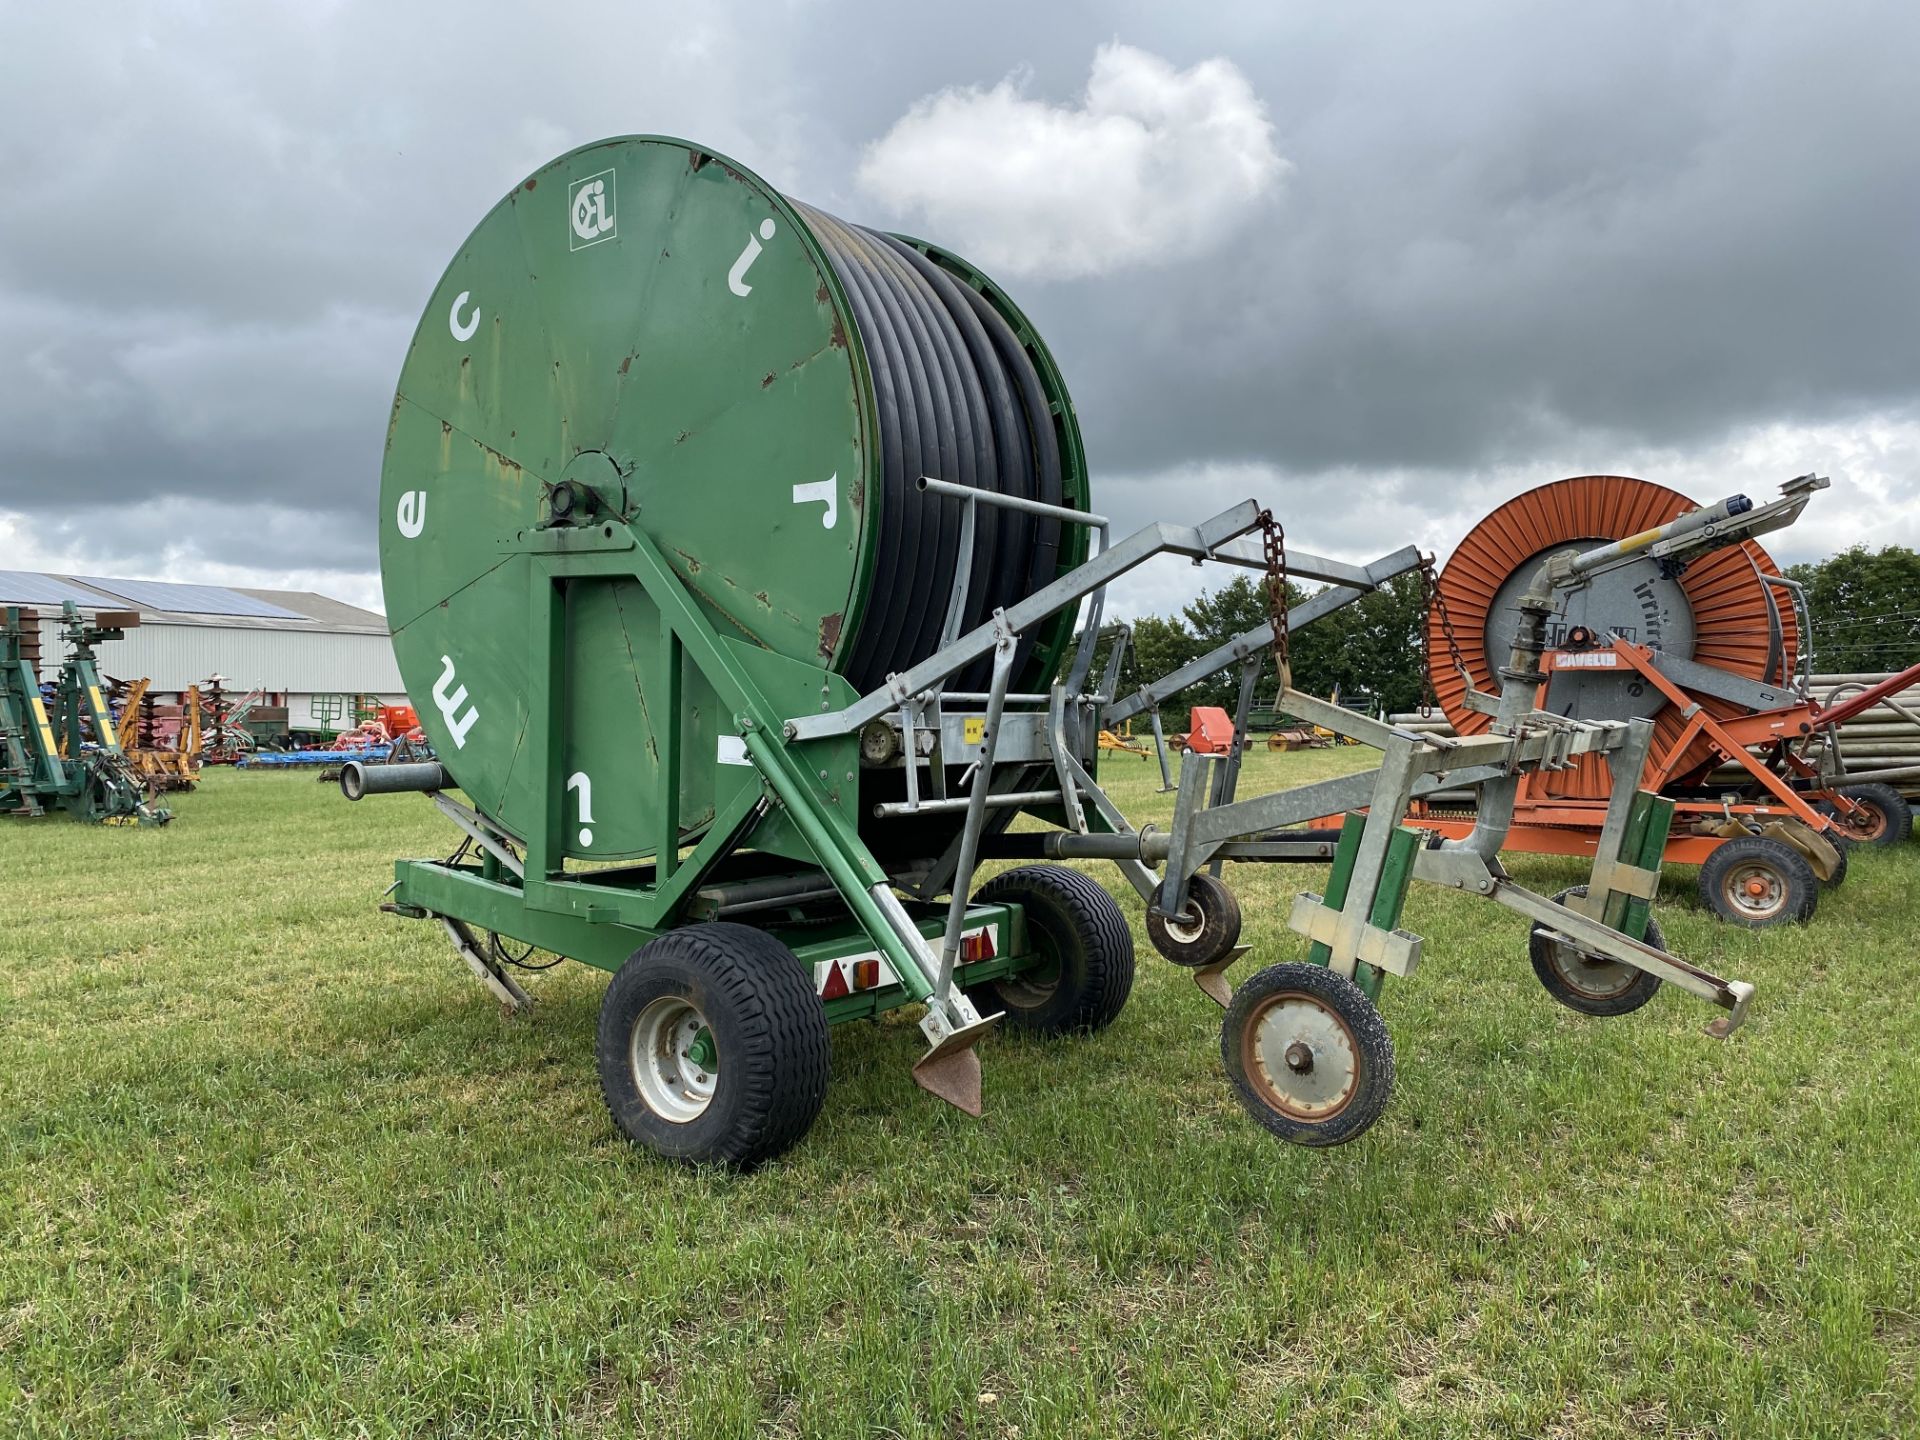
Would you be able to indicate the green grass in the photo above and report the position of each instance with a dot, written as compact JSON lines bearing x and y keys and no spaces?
{"x":272,"y":1163}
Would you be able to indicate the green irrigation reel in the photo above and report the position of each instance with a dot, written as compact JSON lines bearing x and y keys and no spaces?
{"x":743,"y":568}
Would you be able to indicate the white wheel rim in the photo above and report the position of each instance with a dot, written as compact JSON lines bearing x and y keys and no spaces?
{"x":1183,"y":931}
{"x":1304,"y":1058}
{"x":675,"y":1085}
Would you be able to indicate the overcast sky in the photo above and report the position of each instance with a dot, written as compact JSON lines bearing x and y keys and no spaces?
{"x":1380,"y":266}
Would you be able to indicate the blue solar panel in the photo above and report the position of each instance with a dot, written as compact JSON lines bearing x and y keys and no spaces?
{"x":190,"y":599}
{"x":25,"y":587}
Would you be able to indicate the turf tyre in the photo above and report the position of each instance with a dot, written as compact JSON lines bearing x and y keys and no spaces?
{"x":1891,"y":821}
{"x":1086,"y":973}
{"x":767,"y":1027}
{"x":1727,"y":881}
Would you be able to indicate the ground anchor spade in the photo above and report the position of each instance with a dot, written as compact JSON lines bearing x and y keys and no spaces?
{"x":1212,"y":979}
{"x":951,"y":1067}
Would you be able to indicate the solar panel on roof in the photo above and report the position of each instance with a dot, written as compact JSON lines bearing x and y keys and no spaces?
{"x":27,"y":587}
{"x":191,"y":599}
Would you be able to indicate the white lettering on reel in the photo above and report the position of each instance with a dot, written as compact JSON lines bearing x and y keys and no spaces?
{"x":737,"y":276}
{"x":457,"y":724}
{"x":579,"y":781}
{"x":412,"y":515}
{"x":815,"y":491}
{"x":463,"y":333}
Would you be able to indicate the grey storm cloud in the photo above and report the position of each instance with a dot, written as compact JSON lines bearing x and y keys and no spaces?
{"x":1461,"y":248}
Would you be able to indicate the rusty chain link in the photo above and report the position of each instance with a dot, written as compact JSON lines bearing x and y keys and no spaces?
{"x":1431,"y":599}
{"x":1273,"y":536}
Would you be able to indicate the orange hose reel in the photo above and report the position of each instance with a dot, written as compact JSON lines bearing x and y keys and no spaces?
{"x":1734,"y":619}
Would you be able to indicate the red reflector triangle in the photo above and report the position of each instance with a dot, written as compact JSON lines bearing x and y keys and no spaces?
{"x":836,"y":983}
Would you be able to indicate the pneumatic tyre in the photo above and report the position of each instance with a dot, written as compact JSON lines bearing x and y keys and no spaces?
{"x":1308,"y":1054}
{"x":1887,"y":818}
{"x":1085,"y":971}
{"x":713,"y":1046}
{"x":1758,"y":882}
{"x":1206,"y":928}
{"x":1592,"y":984}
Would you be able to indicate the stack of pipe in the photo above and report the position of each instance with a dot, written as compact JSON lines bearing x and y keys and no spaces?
{"x":1881,"y":744}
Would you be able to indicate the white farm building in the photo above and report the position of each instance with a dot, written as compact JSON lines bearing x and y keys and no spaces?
{"x":308,"y":653}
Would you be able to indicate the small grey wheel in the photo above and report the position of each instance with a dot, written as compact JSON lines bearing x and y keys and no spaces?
{"x":1307,"y":1054}
{"x":1207,"y":927}
{"x":1757,"y":881}
{"x":1581,"y":980}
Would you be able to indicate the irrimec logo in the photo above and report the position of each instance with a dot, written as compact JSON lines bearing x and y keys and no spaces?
{"x":591,"y":212}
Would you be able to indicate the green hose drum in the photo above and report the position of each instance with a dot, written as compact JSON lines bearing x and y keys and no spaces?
{"x":647,"y":330}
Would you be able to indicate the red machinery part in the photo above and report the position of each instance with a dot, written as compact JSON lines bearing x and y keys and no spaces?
{"x":1211,"y":732}
{"x":1732,"y":614}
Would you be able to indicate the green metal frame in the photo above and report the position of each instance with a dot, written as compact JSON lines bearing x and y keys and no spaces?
{"x":70,"y":759}
{"x":601,"y":917}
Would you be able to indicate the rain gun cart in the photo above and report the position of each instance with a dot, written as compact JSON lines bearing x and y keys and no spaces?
{"x":737,"y":698}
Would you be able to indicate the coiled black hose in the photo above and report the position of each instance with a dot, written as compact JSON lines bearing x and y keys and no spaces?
{"x":958,"y":399}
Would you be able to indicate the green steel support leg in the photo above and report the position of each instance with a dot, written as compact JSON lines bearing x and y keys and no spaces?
{"x":1644,"y":844}
{"x":667,"y":727}
{"x":833,"y":838}
{"x":1389,"y":899}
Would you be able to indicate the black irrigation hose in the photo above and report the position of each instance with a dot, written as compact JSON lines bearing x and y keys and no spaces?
{"x":958,"y":399}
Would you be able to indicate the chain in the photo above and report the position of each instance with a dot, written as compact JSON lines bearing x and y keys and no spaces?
{"x":1432,"y":599}
{"x":1274,"y":537}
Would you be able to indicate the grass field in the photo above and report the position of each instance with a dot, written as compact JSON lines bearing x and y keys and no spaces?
{"x":272,"y":1163}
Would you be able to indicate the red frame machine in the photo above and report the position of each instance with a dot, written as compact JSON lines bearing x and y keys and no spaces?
{"x":1780,"y":749}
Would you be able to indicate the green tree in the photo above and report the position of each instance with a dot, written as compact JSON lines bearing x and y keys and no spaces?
{"x":1372,"y":646}
{"x":1216,"y":617}
{"x":1865,"y":608}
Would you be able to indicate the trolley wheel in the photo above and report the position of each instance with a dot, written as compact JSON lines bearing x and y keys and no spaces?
{"x":1884,"y":817}
{"x":1755,"y":881}
{"x":1206,"y":928}
{"x":1581,"y":980}
{"x":1308,"y":1054}
{"x":1086,"y":953}
{"x":713,"y":1046}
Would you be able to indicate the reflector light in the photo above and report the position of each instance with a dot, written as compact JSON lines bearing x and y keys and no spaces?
{"x":977,"y":946}
{"x":866,"y":974}
{"x":836,"y":985}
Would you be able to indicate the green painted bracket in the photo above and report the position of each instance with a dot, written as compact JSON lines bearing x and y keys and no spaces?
{"x":1642,"y":845}
{"x":1396,"y":873}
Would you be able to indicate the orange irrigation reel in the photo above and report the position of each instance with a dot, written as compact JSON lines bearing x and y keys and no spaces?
{"x":1710,"y":651}
{"x":1718,"y":611}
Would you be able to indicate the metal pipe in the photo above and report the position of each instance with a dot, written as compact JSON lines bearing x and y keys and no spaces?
{"x":1012,"y":502}
{"x":358,"y":779}
{"x":894,"y":809}
{"x":976,"y":819}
